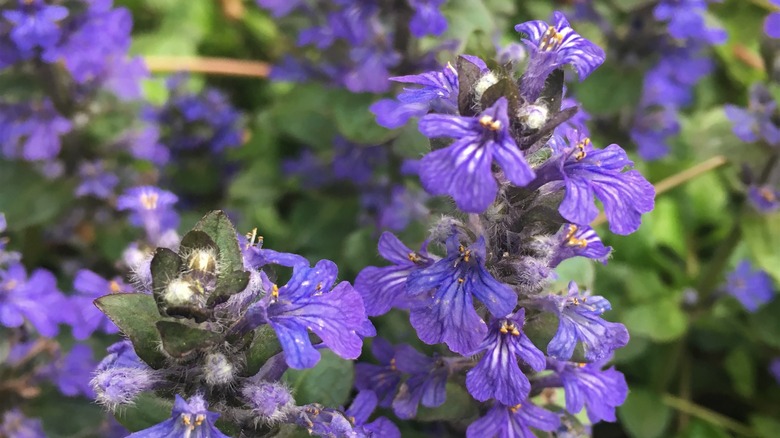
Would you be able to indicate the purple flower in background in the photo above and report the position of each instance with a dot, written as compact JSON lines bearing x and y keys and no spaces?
{"x":427,"y":18}
{"x":463,"y":170}
{"x":774,"y":369}
{"x":587,"y":385}
{"x":588,"y":173}
{"x":72,"y":373}
{"x":404,"y":206}
{"x":382,"y":379}
{"x":553,"y":47}
{"x":356,"y":163}
{"x":359,"y":412}
{"x":751,"y":288}
{"x":652,"y":127}
{"x":426,"y":383}
{"x":86,"y":318}
{"x":756,"y":122}
{"x":35,"y":299}
{"x":370,"y":69}
{"x":35,"y":25}
{"x":513,"y":421}
{"x":151,"y":208}
{"x":96,"y":181}
{"x":444,"y":308}
{"x":121,"y":376}
{"x":578,"y":241}
{"x":321,"y":421}
{"x":772,"y":23}
{"x":188,"y":418}
{"x":439,"y":93}
{"x":579,"y":320}
{"x":306,"y":303}
{"x":35,"y":129}
{"x":764,"y":198}
{"x":16,"y":425}
{"x":686,"y":21}
{"x":279,"y":8}
{"x":497,"y":375}
{"x":384,"y":288}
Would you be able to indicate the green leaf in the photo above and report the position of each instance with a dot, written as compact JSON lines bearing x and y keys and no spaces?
{"x":217,"y":225}
{"x":767,"y":427}
{"x":147,"y":410}
{"x":196,"y":239}
{"x":27,"y":199}
{"x":661,"y":320}
{"x":624,"y":85}
{"x":739,"y":364}
{"x":762,"y":235}
{"x":136,"y":316}
{"x":702,"y":429}
{"x":355,"y":122}
{"x":264,"y":345}
{"x":644,"y":414}
{"x":328,"y":383}
{"x":166,"y":266}
{"x":577,"y":269}
{"x":227,"y":285}
{"x":181,"y":340}
{"x":766,"y":325}
{"x":459,"y":405}
{"x":666,"y":225}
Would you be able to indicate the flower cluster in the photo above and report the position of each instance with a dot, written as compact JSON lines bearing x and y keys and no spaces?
{"x":515,"y":158}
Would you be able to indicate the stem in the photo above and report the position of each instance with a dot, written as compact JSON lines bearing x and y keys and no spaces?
{"x":712,"y":417}
{"x":215,"y":66}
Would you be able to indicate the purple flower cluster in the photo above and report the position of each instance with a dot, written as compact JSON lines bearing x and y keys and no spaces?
{"x":668,"y":86}
{"x":751,"y":288}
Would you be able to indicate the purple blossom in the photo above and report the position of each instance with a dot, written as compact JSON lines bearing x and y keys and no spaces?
{"x":774,"y":369}
{"x":144,"y":144}
{"x":652,"y":127}
{"x":426,"y":383}
{"x":587,"y":173}
{"x":321,"y":421}
{"x":444,"y":309}
{"x":686,"y":21}
{"x":72,"y":373}
{"x":772,"y":25}
{"x":32,"y":132}
{"x":86,"y":318}
{"x":497,"y":375}
{"x":121,"y":376}
{"x":356,"y":163}
{"x":513,"y":422}
{"x":96,"y":181}
{"x":403,"y":206}
{"x":757,"y":121}
{"x":552,"y":47}
{"x":189,"y":418}
{"x":361,"y":409}
{"x":427,"y":18}
{"x":35,"y":299}
{"x":439,"y":93}
{"x":764,"y":198}
{"x":306,"y":303}
{"x":587,"y":385}
{"x":16,"y":425}
{"x":578,"y":241}
{"x":579,"y":320}
{"x":463,"y":170}
{"x":279,"y":8}
{"x":382,"y":379}
{"x":370,"y":69}
{"x":151,"y":208}
{"x":751,"y":288}
{"x":35,"y":25}
{"x":268,"y":400}
{"x":384,"y":288}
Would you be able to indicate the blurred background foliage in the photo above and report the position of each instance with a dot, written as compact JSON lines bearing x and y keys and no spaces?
{"x":697,"y":363}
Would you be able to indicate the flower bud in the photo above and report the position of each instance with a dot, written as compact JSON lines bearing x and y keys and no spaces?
{"x":218,"y":370}
{"x":533,"y":116}
{"x":179,"y":293}
{"x":486,"y":81}
{"x":269,"y":401}
{"x":115,"y":387}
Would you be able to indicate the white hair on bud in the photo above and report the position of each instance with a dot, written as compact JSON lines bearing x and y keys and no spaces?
{"x":486,"y":81}
{"x":178,"y":292}
{"x":218,"y":370}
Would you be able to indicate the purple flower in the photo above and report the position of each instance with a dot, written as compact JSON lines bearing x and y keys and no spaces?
{"x":356,"y":163}
{"x":370,"y":69}
{"x":513,"y":421}
{"x":587,"y":385}
{"x":686,"y":21}
{"x":439,"y":93}
{"x":774,"y":369}
{"x":359,"y":412}
{"x":552,"y":47}
{"x":757,"y":121}
{"x":268,"y":400}
{"x":35,"y":129}
{"x":35,"y":25}
{"x":464,"y":169}
{"x":144,"y":144}
{"x":383,"y":379}
{"x":587,"y":172}
{"x":426,"y":383}
{"x":444,"y":310}
{"x":16,"y":425}
{"x":35,"y":299}
{"x":651,"y":129}
{"x":427,"y":18}
{"x":764,"y":198}
{"x":579,"y":320}
{"x":72,"y":374}
{"x":772,"y":25}
{"x":86,"y":318}
{"x":279,"y":8}
{"x":497,"y":375}
{"x":151,"y":208}
{"x":578,"y":241}
{"x":384,"y":288}
{"x":188,"y":419}
{"x":306,"y":303}
{"x":96,"y":181}
{"x":121,"y":376}
{"x":752,"y":288}
{"x":321,"y":421}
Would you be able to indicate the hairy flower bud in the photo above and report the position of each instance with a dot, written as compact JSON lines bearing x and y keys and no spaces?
{"x":269,"y":401}
{"x":115,"y":387}
{"x":179,"y":293}
{"x":218,"y":370}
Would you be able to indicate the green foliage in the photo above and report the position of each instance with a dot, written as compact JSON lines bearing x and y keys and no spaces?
{"x":459,"y":406}
{"x":328,"y":383}
{"x":644,"y":414}
{"x":136,"y":316}
{"x":147,"y":410}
